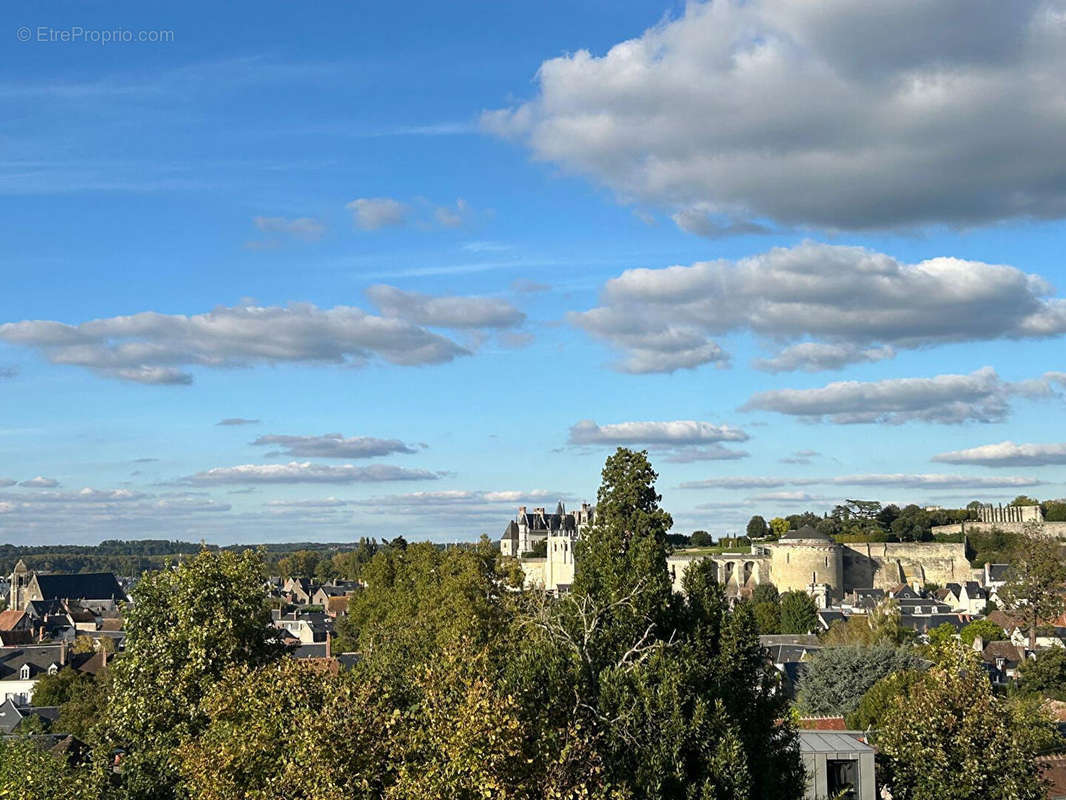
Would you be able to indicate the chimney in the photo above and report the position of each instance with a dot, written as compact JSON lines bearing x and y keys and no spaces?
{"x":329,"y":645}
{"x":978,"y":644}
{"x":103,"y":656}
{"x":63,"y":653}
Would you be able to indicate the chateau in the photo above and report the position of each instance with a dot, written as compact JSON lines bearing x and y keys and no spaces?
{"x":802,"y":560}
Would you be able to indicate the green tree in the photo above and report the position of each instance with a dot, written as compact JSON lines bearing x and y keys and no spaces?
{"x":985,"y":628}
{"x":1035,"y":579}
{"x":292,"y":724}
{"x":881,"y":697}
{"x":1024,"y":500}
{"x":299,"y":564}
{"x":621,"y":560}
{"x":950,"y":736}
{"x":30,"y":772}
{"x":757,"y":527}
{"x":1045,"y":675}
{"x":942,"y":634}
{"x":700,"y":539}
{"x":779,"y":527}
{"x":57,"y":689}
{"x":765,"y":593}
{"x":799,"y":614}
{"x":767,"y":617}
{"x":186,"y":626}
{"x":838,"y":677}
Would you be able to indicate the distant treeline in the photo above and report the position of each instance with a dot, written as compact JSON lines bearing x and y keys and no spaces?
{"x":131,"y":558}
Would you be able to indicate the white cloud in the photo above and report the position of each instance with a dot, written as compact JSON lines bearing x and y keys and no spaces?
{"x":980,"y":396}
{"x":375,"y":213}
{"x":448,"y":311}
{"x":1007,"y":454}
{"x":40,"y":482}
{"x":306,"y":228}
{"x":5,"y":482}
{"x":151,"y":348}
{"x":306,"y":472}
{"x":327,"y":502}
{"x":230,"y":421}
{"x":820,"y":356}
{"x":676,"y":433}
{"x":680,"y":441}
{"x":334,"y":445}
{"x":842,"y":115}
{"x":453,"y":216}
{"x":898,"y":480}
{"x":823,"y":306}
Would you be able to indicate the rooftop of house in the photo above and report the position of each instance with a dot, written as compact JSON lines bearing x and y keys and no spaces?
{"x":822,"y":724}
{"x":833,"y":741}
{"x":80,"y":586}
{"x":38,"y":657}
{"x":10,"y":618}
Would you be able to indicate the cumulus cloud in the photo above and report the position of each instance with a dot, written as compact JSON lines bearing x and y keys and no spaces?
{"x":681,"y":441}
{"x":444,"y":311}
{"x":306,"y":472}
{"x":335,"y":445}
{"x":153,"y":348}
{"x":40,"y":482}
{"x":327,"y":502}
{"x":676,"y":433}
{"x":898,"y":480}
{"x":237,"y":421}
{"x":453,"y":216}
{"x":375,"y":213}
{"x":306,"y":228}
{"x":1007,"y":454}
{"x":824,"y":306}
{"x":836,"y":115}
{"x":980,"y":396}
{"x":821,"y":356}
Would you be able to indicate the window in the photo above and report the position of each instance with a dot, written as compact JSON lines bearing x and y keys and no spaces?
{"x":24,"y":673}
{"x":841,"y":778}
{"x":53,"y":669}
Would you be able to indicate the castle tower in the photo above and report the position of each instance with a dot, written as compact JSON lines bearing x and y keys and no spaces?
{"x":20,"y":581}
{"x":806,"y":560}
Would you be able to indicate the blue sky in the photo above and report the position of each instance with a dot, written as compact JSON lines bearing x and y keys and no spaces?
{"x":424,"y":254}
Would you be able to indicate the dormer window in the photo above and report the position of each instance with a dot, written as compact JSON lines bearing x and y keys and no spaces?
{"x":24,"y":673}
{"x":53,"y":668}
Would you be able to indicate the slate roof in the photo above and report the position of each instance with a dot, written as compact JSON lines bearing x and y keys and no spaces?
{"x":923,"y":623}
{"x":831,"y":742}
{"x":39,"y":657}
{"x":997,"y":572}
{"x":806,"y":532}
{"x":1012,"y":654}
{"x":80,"y":586}
{"x":11,"y":715}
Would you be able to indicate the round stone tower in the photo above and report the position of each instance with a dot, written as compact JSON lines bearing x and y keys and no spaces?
{"x":807,"y":561}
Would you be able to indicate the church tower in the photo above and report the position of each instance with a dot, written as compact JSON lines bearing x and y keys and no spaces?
{"x":20,"y":581}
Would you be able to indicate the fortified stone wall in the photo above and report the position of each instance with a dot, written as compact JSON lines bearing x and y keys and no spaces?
{"x":885,"y":564}
{"x":1050,"y":528}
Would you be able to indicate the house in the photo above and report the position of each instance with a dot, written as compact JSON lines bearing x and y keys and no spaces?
{"x":298,"y":591}
{"x":327,"y":591}
{"x":973,"y":598}
{"x":837,"y":763}
{"x":307,"y":628}
{"x":924,"y":623}
{"x":867,"y":598}
{"x":22,"y":667}
{"x":12,"y":715}
{"x":995,"y":576}
{"x":337,"y":607}
{"x":1046,"y":636}
{"x":1002,"y":659}
{"x":788,"y":653}
{"x":15,"y":620}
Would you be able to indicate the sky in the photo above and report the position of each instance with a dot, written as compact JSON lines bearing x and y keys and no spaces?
{"x":288,"y":273}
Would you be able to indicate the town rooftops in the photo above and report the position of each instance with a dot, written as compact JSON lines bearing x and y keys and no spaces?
{"x":80,"y":586}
